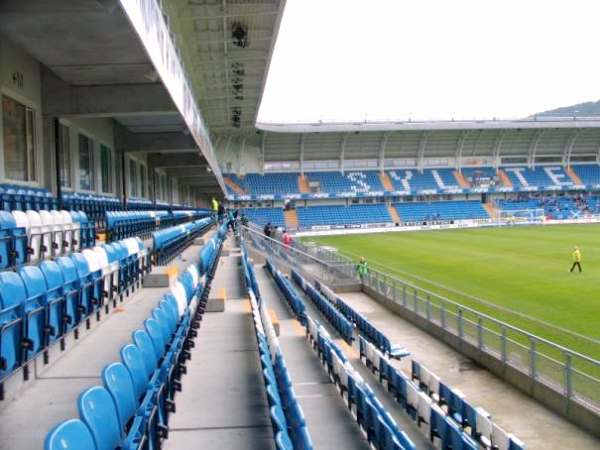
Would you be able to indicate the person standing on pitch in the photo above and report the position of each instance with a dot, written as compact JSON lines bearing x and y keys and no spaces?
{"x":362,"y":269}
{"x":576,"y":259}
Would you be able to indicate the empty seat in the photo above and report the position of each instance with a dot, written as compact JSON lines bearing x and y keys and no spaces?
{"x":71,"y":434}
{"x":12,"y":300}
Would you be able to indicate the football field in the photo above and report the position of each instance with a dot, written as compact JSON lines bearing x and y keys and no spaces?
{"x":519,"y":275}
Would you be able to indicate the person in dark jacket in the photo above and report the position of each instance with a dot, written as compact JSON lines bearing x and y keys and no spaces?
{"x":268,"y":229}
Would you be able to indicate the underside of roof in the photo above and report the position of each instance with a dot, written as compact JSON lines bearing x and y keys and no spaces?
{"x":226,"y":46}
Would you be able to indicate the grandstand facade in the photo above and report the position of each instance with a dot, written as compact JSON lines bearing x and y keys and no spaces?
{"x":132,"y":317}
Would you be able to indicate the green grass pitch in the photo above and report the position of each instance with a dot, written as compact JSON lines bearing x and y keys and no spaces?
{"x":519,"y":274}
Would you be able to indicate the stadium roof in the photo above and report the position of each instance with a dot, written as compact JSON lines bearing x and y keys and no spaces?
{"x":227,"y":47}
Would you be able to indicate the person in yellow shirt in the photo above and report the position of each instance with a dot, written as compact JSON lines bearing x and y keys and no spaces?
{"x":576,"y":259}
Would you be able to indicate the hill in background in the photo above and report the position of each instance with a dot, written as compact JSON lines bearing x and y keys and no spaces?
{"x":580,"y":109}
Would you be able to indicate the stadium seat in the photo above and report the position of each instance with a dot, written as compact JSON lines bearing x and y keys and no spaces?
{"x":12,"y":322}
{"x":97,"y":409}
{"x":72,"y":434}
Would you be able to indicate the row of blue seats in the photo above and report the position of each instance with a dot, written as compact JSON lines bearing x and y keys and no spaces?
{"x":449,"y":404}
{"x":40,"y":304}
{"x":131,"y":410}
{"x":382,"y":431}
{"x":122,"y":224}
{"x":169,"y":242}
{"x":14,"y":197}
{"x":339,"y":322}
{"x":27,"y":237}
{"x":289,"y":293}
{"x":366,"y":328}
{"x":287,"y":417}
{"x":444,"y":416}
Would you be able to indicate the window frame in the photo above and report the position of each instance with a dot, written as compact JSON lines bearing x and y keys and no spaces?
{"x":111,"y":169}
{"x":35,"y":109}
{"x":69,"y":152}
{"x":93,"y":168}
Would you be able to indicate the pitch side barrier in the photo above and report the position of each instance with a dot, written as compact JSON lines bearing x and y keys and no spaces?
{"x":327,"y":230}
{"x":564,"y":380}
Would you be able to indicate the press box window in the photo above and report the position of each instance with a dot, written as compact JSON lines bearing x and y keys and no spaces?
{"x":106,"y":165}
{"x":87,"y":179}
{"x":133,"y":178}
{"x":64,"y":152}
{"x":18,"y":124}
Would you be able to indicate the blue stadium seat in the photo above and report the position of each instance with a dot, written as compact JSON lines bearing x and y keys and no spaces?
{"x":117,"y":381}
{"x":72,"y":434}
{"x":440,"y":211}
{"x":58,"y":313}
{"x":40,"y":330}
{"x":339,"y":215}
{"x":97,"y":409}
{"x":12,"y":299}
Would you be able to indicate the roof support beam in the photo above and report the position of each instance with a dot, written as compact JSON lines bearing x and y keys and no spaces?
{"x":533,"y":148}
{"x":343,"y":151}
{"x":382,"y":146}
{"x":459,"y":149}
{"x":497,"y":147}
{"x":156,"y":143}
{"x":568,"y":150}
{"x":160,"y":161}
{"x":421,"y":150}
{"x":263,"y":138}
{"x":302,"y":137}
{"x":60,"y":99}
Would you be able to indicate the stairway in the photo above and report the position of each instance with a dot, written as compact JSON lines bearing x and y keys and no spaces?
{"x":303,"y":184}
{"x":491,"y":209}
{"x":394,"y":214}
{"x":461,"y":180}
{"x":291,"y":219}
{"x":386,"y":182}
{"x":574,"y":177}
{"x":504,"y":178}
{"x":233,"y":185}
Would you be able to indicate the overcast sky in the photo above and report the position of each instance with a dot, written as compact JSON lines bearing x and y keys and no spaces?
{"x":432,"y":59}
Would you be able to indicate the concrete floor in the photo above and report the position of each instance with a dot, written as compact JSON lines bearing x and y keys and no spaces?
{"x":223,"y":404}
{"x":538,"y":427}
{"x":51,"y":396}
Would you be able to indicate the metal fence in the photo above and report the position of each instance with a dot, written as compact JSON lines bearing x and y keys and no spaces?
{"x":574,"y":375}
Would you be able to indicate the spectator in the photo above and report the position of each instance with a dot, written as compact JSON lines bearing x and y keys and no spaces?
{"x":362,"y":269}
{"x":244,"y":220}
{"x":268,"y":229}
{"x":221,"y":213}
{"x":231,"y":220}
{"x":286,"y":238}
{"x":215,"y":207}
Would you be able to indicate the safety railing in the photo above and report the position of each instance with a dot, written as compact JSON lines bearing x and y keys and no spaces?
{"x":571,"y":374}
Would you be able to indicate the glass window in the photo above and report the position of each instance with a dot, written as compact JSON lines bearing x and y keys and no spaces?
{"x":64,"y":154}
{"x":164,"y":191}
{"x":143,"y":186}
{"x":106,"y":169}
{"x":133,"y":178}
{"x":18,"y":123}
{"x":87,"y":179}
